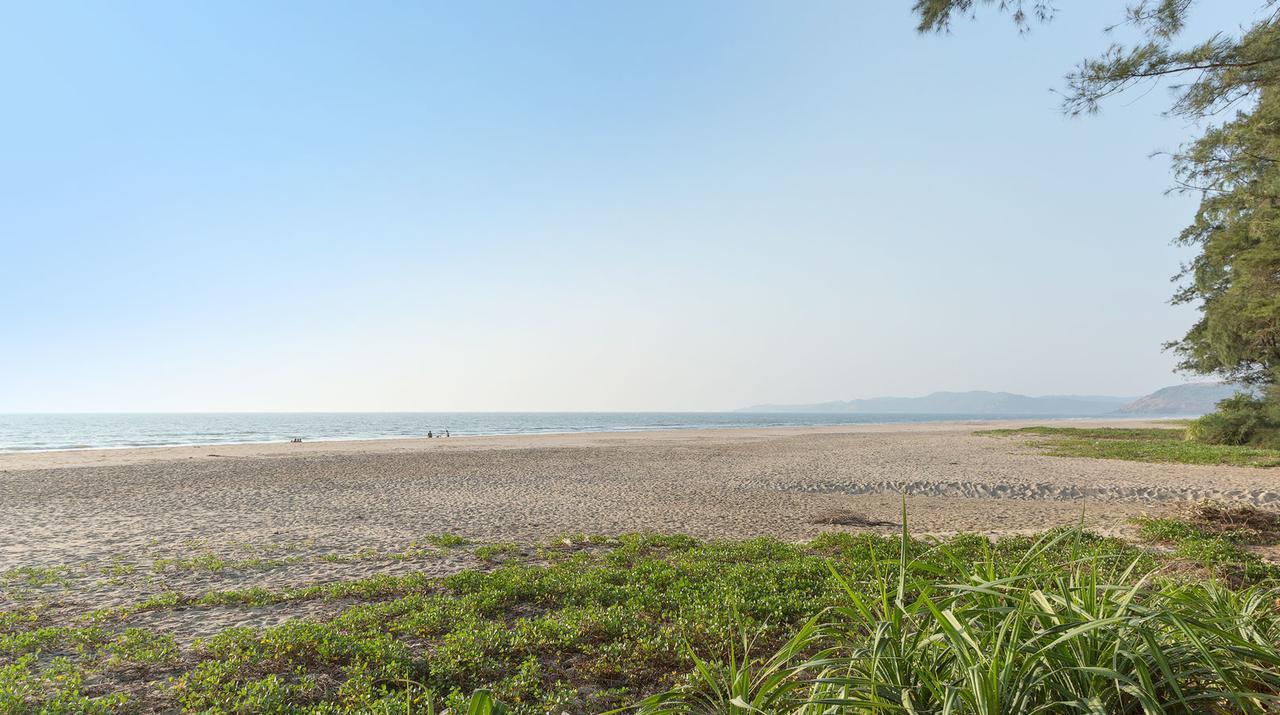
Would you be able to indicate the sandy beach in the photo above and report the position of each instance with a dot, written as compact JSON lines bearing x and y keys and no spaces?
{"x":118,"y":526}
{"x":83,"y":505}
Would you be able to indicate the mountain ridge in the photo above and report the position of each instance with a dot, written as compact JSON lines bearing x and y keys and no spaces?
{"x":1186,"y":399}
{"x":1191,"y":398}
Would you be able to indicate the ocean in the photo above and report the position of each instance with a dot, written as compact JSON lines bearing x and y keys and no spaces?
{"x":39,"y":432}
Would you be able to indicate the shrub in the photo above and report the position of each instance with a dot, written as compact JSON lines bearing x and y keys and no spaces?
{"x":1242,"y":419}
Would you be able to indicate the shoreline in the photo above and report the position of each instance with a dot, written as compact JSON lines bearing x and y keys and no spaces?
{"x":345,"y":496}
{"x":55,"y":458}
{"x":469,"y":431}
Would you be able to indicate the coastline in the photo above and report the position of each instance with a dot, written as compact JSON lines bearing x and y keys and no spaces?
{"x":714,"y":483}
{"x":280,"y":515}
{"x":103,"y":456}
{"x":91,"y":431}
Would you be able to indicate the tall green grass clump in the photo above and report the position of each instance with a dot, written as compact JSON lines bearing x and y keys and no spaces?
{"x":1027,"y":635}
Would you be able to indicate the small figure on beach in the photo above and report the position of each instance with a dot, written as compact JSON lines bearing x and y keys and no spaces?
{"x":296,"y":440}
{"x":429,"y":435}
{"x":446,"y":433}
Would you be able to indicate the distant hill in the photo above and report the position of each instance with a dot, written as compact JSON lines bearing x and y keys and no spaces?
{"x":964,"y":403}
{"x":1184,"y":400}
{"x":1195,"y":398}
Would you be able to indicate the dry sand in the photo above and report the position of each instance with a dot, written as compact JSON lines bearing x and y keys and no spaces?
{"x":285,"y":514}
{"x":62,"y":506}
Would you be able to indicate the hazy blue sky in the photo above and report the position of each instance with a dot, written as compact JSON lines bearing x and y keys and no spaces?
{"x":570,"y":205}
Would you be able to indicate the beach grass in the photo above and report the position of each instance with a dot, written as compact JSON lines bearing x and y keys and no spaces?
{"x":1138,"y":445}
{"x":1010,"y":637}
{"x":587,"y":624}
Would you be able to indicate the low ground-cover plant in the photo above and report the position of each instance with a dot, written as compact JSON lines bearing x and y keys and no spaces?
{"x":1140,"y":445}
{"x":1214,"y":536}
{"x":1238,"y":523}
{"x":584,"y":625}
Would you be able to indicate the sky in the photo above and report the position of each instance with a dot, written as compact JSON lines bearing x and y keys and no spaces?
{"x":661,"y":205}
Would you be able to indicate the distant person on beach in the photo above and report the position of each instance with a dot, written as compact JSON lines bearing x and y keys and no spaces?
{"x":429,"y":435}
{"x":446,"y":433}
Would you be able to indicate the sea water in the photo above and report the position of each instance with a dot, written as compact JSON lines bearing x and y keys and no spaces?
{"x":35,"y":432}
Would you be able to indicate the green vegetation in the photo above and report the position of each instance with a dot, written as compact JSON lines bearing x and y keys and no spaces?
{"x":446,"y":541}
{"x":215,"y":563}
{"x":35,"y":576}
{"x":44,"y":669}
{"x":1241,"y":420}
{"x":1140,"y":445}
{"x":415,"y":551}
{"x":586,"y":624}
{"x":1216,"y":536}
{"x":1011,"y":637}
{"x":505,"y":551}
{"x":1242,"y":524}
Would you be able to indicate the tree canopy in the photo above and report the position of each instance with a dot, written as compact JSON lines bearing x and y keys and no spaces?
{"x":1229,"y":84}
